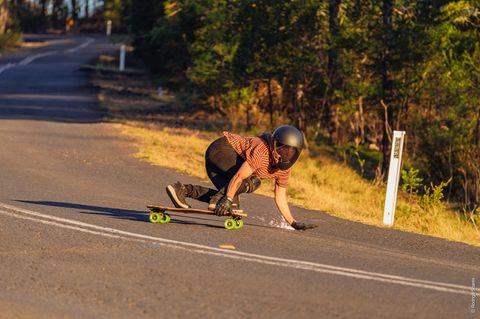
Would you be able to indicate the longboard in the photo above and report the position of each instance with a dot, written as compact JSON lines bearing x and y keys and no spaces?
{"x":160,"y":214}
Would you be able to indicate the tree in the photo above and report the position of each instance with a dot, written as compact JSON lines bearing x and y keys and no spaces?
{"x":43,"y":12}
{"x":4,"y":15}
{"x":59,"y":13}
{"x":333,"y":80}
{"x":386,"y":88}
{"x":162,"y":32}
{"x":114,"y":10}
{"x":74,"y":5}
{"x":448,"y":127}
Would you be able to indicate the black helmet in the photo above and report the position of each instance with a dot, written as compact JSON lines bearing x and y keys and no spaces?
{"x":287,"y":143}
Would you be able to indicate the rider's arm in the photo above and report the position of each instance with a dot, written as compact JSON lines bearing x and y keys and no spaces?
{"x":244,"y":172}
{"x":282,"y":204}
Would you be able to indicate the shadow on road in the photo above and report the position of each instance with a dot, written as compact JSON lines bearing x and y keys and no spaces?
{"x":134,"y":215}
{"x":120,"y":213}
{"x":65,"y":107}
{"x":51,"y":83}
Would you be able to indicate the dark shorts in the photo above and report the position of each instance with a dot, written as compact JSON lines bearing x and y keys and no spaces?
{"x":222,"y":162}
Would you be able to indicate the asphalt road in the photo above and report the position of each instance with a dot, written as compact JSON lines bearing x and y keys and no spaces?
{"x":75,"y":240}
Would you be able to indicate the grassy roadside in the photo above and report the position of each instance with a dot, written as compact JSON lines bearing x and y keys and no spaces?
{"x":170,"y":136}
{"x":10,"y":40}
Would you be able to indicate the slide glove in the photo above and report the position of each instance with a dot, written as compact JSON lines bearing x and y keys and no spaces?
{"x":302,"y":226}
{"x":224,"y":206}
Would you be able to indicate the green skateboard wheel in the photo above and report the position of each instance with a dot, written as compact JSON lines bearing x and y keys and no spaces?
{"x":238,"y":224}
{"x":154,"y":217}
{"x":164,"y":218}
{"x":230,"y":224}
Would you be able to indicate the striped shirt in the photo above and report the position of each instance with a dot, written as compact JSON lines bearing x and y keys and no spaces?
{"x":255,"y":152}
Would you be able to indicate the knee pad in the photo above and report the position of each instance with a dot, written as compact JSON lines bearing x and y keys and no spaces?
{"x":252,"y":183}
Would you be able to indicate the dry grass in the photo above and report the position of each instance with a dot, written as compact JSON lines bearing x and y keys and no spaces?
{"x":180,"y":149}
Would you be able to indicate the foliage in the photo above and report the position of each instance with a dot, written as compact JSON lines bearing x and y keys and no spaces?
{"x":433,"y":194}
{"x":161,"y":33}
{"x":448,"y":130}
{"x":51,"y":15}
{"x":10,"y":39}
{"x":410,"y":180}
{"x":59,"y":14}
{"x":114,"y":11}
{"x":29,"y":16}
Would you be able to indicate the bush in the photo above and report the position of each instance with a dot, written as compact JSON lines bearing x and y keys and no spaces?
{"x":410,"y":180}
{"x":434,"y":194}
{"x":10,"y":39}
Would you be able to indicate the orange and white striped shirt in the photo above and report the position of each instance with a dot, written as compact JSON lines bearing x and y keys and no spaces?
{"x":255,"y":152}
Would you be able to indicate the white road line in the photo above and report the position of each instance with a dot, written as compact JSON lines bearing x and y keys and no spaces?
{"x":81,"y":46}
{"x":59,"y":225}
{"x":7,"y":66}
{"x":202,"y":249}
{"x":31,"y":58}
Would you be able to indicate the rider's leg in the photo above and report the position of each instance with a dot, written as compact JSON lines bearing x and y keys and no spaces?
{"x":249,"y":185}
{"x":220,"y":161}
{"x":178,"y":193}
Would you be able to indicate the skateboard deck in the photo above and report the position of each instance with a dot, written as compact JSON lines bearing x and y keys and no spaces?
{"x":161,"y":214}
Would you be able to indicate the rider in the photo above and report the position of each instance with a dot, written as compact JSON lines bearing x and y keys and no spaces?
{"x":237,"y":164}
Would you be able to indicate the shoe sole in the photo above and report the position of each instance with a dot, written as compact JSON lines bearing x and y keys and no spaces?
{"x":173,"y":197}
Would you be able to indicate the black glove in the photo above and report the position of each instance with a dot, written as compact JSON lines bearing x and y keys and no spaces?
{"x":302,"y":226}
{"x":224,"y":206}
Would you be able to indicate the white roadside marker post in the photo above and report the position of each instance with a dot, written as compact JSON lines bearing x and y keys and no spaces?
{"x":393,"y":178}
{"x":122,"y":58}
{"x":109,"y":28}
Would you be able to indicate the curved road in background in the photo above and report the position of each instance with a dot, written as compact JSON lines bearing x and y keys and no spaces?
{"x":75,"y":240}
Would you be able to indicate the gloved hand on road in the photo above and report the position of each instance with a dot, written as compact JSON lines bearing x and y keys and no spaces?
{"x":302,"y":226}
{"x":224,"y":206}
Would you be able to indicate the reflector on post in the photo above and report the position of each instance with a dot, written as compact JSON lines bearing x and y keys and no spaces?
{"x":393,"y":178}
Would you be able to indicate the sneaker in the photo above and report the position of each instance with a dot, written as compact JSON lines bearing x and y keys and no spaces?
{"x":177,"y":193}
